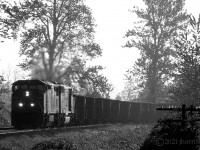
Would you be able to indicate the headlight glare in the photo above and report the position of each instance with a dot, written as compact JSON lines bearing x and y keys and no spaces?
{"x":20,"y":104}
{"x":32,"y":104}
{"x":27,"y":93}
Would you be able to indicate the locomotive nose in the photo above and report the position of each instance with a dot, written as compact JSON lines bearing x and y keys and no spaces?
{"x":22,"y":104}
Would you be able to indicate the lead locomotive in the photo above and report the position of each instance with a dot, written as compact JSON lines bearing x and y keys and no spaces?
{"x":36,"y":103}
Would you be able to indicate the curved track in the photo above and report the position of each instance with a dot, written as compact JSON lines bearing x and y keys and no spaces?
{"x":14,"y":132}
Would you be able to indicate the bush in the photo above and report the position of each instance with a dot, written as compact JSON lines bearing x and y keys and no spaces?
{"x":3,"y":148}
{"x":59,"y":144}
{"x":168,"y":134}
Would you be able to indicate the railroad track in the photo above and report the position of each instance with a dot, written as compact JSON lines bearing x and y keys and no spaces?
{"x":13,"y":132}
{"x":6,"y":128}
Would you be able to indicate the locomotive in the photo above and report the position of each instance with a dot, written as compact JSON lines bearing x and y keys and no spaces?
{"x":37,"y":104}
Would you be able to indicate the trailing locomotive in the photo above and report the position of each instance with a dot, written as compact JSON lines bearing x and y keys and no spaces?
{"x":37,"y":104}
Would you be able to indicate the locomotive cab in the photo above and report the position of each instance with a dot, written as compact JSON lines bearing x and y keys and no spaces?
{"x":27,"y":103}
{"x":36,"y":103}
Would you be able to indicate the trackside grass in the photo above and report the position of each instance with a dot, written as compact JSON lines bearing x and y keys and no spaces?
{"x":119,"y":136}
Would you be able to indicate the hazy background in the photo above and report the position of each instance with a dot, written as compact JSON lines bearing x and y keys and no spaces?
{"x":113,"y":20}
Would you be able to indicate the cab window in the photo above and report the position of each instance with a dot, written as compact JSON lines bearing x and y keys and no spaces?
{"x":16,"y":87}
{"x":32,"y":87}
{"x":24,"y":87}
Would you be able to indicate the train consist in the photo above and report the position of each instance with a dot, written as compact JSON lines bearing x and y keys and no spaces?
{"x":37,"y":104}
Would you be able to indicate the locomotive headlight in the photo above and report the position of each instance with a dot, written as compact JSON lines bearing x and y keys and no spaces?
{"x":27,"y":93}
{"x":20,"y":104}
{"x":32,"y":104}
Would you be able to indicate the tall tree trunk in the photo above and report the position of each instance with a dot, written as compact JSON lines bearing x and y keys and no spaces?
{"x":153,"y":83}
{"x":50,"y":73}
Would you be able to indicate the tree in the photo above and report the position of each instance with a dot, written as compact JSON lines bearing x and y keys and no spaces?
{"x":118,"y":97}
{"x":186,"y":88}
{"x":3,"y":87}
{"x":95,"y":85}
{"x":5,"y":96}
{"x":4,"y":92}
{"x":54,"y":32}
{"x":153,"y":36}
{"x":131,"y":88}
{"x":57,"y":37}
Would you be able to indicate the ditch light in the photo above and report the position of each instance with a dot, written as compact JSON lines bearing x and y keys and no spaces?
{"x":32,"y":104}
{"x":21,"y":104}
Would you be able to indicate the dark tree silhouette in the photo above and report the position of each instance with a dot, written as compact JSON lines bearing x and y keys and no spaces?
{"x":52,"y":31}
{"x":3,"y":87}
{"x":186,"y":88}
{"x":57,"y":38}
{"x":153,"y":36}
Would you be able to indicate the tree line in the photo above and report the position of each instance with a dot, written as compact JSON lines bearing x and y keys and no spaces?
{"x":168,"y":40}
{"x":57,"y":39}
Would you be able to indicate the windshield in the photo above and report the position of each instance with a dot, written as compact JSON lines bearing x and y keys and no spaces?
{"x":31,"y":87}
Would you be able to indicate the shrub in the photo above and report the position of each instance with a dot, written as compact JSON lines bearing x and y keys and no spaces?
{"x":169,"y":134}
{"x":3,"y":148}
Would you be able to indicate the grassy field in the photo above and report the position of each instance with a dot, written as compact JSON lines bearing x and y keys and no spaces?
{"x":119,"y":136}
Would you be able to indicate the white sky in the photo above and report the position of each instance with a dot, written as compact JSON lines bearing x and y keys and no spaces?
{"x":113,"y":20}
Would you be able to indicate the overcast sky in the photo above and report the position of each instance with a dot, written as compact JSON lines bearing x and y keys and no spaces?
{"x":113,"y":20}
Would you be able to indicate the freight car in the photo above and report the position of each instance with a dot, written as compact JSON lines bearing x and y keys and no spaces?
{"x":37,"y":104}
{"x":100,"y":110}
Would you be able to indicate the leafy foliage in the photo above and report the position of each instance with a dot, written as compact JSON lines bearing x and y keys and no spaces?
{"x":2,"y":148}
{"x":130,"y":91}
{"x":3,"y":89}
{"x":153,"y":35}
{"x":187,"y":77}
{"x":57,"y":38}
{"x":4,"y":102}
{"x":95,"y":85}
{"x":53,"y":31}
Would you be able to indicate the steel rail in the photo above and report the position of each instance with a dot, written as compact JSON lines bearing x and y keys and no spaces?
{"x":50,"y":130}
